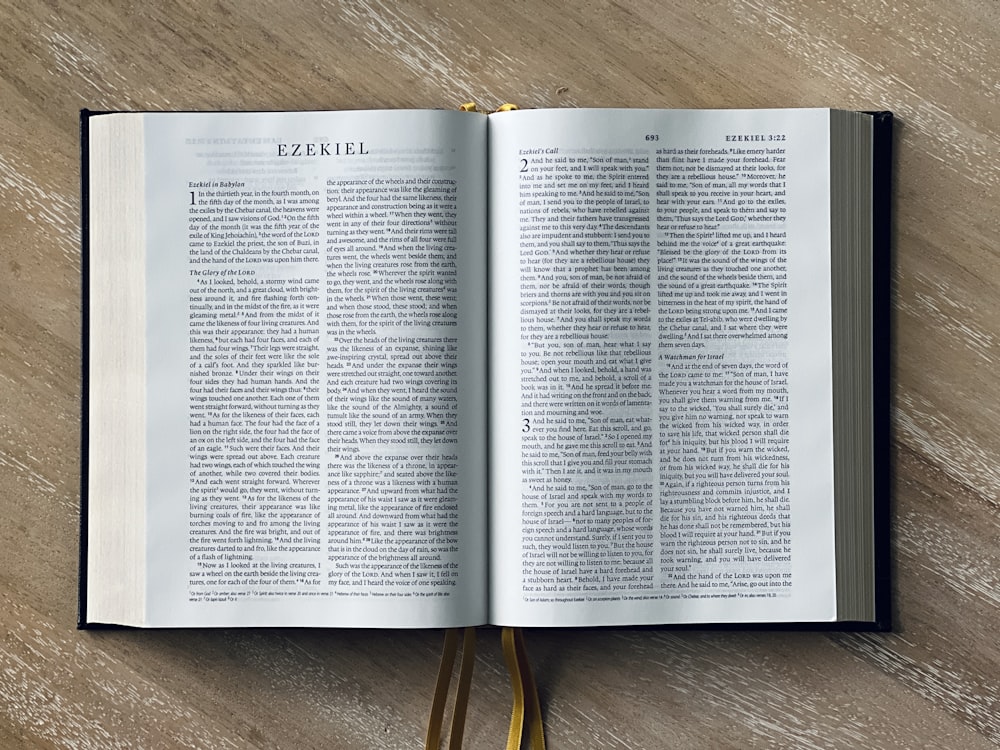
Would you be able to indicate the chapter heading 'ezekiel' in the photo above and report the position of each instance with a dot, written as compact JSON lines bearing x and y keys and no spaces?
{"x":345,"y":148}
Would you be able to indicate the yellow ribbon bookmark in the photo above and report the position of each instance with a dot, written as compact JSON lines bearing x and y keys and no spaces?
{"x":436,"y":719}
{"x":526,"y":708}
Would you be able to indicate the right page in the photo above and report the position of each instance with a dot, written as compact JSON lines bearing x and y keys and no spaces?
{"x":661,"y":388}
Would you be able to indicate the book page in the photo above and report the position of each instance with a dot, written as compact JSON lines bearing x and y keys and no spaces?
{"x":661,"y":368}
{"x":316,"y":361}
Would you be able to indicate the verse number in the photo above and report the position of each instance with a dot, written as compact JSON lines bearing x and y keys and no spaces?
{"x":525,"y":425}
{"x":652,"y":137}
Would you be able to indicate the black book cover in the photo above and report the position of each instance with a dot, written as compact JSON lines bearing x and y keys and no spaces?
{"x":882,"y":167}
{"x":882,"y":162}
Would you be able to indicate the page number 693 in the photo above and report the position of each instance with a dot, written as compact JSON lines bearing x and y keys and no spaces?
{"x":652,"y":137}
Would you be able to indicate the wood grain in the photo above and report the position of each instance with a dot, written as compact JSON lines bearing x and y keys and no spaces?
{"x":931,"y":683}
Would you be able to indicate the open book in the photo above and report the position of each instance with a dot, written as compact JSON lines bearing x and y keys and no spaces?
{"x":432,"y":368}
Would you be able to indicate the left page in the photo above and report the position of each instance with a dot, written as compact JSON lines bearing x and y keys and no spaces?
{"x":316,"y":369}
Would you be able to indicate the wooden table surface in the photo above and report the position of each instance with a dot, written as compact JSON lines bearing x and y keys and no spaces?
{"x":933,"y":682}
